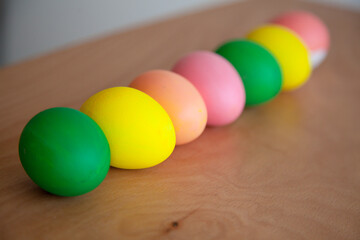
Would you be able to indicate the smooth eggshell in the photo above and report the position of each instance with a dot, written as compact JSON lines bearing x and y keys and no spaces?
{"x":310,"y":29}
{"x":179,"y":98}
{"x":139,"y":131}
{"x":259,"y":70}
{"x":218,"y":83}
{"x":64,"y":151}
{"x":288,"y":49}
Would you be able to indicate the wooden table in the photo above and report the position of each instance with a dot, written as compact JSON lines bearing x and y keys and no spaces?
{"x":289,"y":169}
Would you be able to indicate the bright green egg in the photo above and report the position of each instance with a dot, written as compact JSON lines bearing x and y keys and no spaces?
{"x":259,"y":70}
{"x":64,"y":152}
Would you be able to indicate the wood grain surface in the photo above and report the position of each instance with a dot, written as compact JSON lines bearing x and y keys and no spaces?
{"x":289,"y":169}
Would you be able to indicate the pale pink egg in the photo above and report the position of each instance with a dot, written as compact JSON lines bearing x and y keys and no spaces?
{"x":218,"y":83}
{"x":310,"y":29}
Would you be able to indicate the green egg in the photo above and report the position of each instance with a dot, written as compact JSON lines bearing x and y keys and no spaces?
{"x":64,"y":152}
{"x":259,"y":70}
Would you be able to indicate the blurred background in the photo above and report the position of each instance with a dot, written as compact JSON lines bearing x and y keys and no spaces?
{"x":29,"y":28}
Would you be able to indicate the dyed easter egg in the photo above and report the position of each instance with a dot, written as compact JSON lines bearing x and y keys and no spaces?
{"x":64,"y":152}
{"x":139,"y":131}
{"x":258,"y":69}
{"x":218,"y":83}
{"x":289,"y":51}
{"x":310,"y":29}
{"x":179,"y":98}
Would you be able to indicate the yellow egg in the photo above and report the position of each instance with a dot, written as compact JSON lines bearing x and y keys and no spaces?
{"x":139,"y":131}
{"x":289,"y":51}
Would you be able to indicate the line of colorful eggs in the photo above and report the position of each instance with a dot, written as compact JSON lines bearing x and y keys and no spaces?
{"x":69,"y":152}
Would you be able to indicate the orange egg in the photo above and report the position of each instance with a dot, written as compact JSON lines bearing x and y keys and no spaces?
{"x":179,"y":98}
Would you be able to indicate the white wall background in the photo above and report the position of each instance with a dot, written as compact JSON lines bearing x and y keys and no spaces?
{"x":33,"y":27}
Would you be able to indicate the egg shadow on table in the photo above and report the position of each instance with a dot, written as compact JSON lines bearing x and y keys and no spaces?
{"x":273,"y":124}
{"x":217,"y":149}
{"x":34,"y":191}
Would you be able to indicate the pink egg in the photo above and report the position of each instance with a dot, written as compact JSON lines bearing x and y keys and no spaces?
{"x":310,"y":29}
{"x":218,"y":83}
